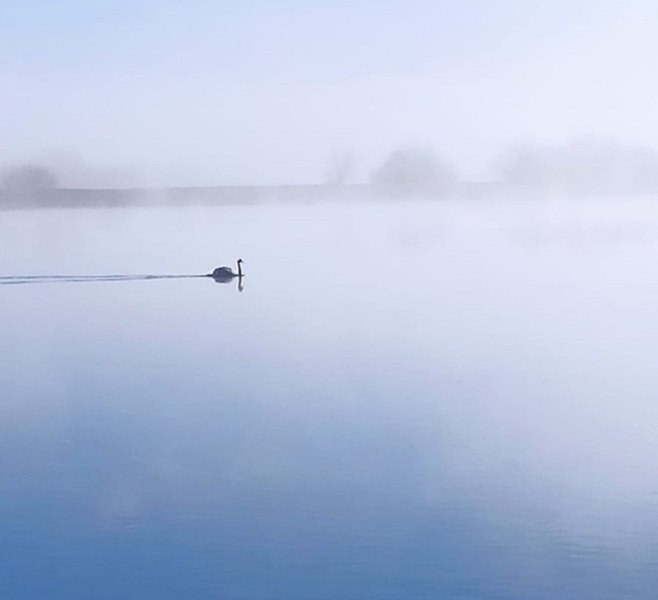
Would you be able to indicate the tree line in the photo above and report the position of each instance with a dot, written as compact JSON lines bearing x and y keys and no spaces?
{"x":581,"y":167}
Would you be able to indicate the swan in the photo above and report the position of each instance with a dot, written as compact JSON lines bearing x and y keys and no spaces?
{"x":225,"y":274}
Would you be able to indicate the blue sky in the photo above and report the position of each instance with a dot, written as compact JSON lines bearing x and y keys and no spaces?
{"x":212,"y":92}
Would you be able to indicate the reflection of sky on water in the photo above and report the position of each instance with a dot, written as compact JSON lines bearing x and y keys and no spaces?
{"x":403,"y":403}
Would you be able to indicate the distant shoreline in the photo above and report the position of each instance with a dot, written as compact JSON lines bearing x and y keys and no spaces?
{"x":235,"y":195}
{"x":244,"y":195}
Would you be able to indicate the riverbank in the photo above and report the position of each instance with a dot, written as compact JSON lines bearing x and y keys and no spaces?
{"x":218,"y":196}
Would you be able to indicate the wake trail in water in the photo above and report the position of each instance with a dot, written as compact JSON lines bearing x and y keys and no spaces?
{"x":27,"y":279}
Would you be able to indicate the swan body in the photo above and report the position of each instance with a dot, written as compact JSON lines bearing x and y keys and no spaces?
{"x":223,"y":274}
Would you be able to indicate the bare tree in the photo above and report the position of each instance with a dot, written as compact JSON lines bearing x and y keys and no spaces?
{"x":340,"y":169}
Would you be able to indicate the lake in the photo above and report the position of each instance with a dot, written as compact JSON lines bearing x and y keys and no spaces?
{"x":407,"y":400}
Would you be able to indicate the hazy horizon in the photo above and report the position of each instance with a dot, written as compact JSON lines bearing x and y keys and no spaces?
{"x":206,"y":93}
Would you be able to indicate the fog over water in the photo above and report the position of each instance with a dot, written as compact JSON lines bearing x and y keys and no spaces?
{"x":407,"y":400}
{"x":436,"y":378}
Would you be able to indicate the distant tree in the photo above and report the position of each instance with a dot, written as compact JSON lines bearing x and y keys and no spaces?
{"x":29,"y":179}
{"x":528,"y":168}
{"x":340,"y":169}
{"x":413,"y":171}
{"x":582,"y":166}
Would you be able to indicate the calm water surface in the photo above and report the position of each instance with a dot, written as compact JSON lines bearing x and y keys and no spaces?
{"x":406,"y":401}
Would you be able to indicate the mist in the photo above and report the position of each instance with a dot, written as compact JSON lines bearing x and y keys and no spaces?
{"x":201,"y":93}
{"x":435,"y":377}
